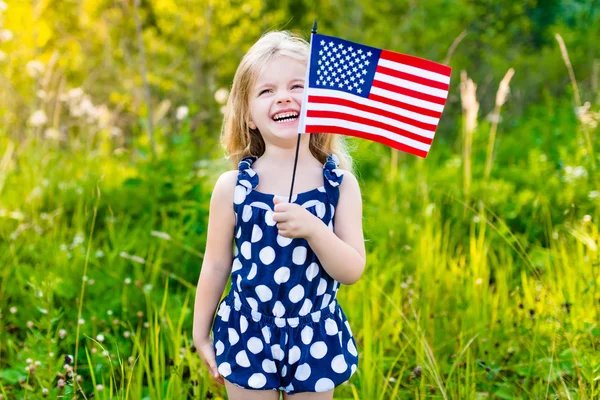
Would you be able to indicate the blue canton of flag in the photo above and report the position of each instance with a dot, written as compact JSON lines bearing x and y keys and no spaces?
{"x":342,"y":65}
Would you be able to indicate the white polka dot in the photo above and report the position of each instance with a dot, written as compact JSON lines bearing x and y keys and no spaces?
{"x":267,"y":255}
{"x":257,"y":381}
{"x":224,"y":369}
{"x":318,"y":349}
{"x":239,"y":281}
{"x":264,"y":293}
{"x":307,"y":334}
{"x":284,"y":370}
{"x":252,"y":302}
{"x":289,"y":388}
{"x":266,"y":334}
{"x":316,"y":316}
{"x":326,"y":298}
{"x":294,"y":322}
{"x":256,"y":316}
{"x":322,"y":287}
{"x":338,"y":364}
{"x":281,"y":275}
{"x":283,"y":241}
{"x":348,"y":327}
{"x":299,"y":255}
{"x":330,"y":225}
{"x":224,"y":312}
{"x":312,"y":271}
{"x":255,"y":345}
{"x":340,"y":337}
{"x":306,"y":307}
{"x":286,"y":337}
{"x":220,"y":347}
{"x":277,"y":352}
{"x":233,"y":336}
{"x":294,"y":354}
{"x":239,"y":233}
{"x":323,"y":385}
{"x":296,"y":294}
{"x":352,"y":348}
{"x":269,"y":218}
{"x":239,"y":195}
{"x":236,"y":265}
{"x":331,"y":327}
{"x":243,"y":323}
{"x":278,"y":309}
{"x":245,"y":250}
{"x":320,"y":209}
{"x":242,"y":359}
{"x":280,"y":322}
{"x":269,"y":366}
{"x":256,"y":233}
{"x":252,"y":273}
{"x":332,"y":210}
{"x":246,"y":213}
{"x":353,"y":368}
{"x":303,"y":372}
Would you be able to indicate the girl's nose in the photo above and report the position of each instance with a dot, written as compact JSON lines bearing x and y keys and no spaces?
{"x":284,"y":97}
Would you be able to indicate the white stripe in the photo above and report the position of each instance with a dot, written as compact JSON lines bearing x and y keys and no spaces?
{"x":372,"y":103}
{"x":411,"y":85}
{"x":371,"y":116}
{"x":368,"y":129}
{"x":407,"y":99}
{"x":434,"y":76}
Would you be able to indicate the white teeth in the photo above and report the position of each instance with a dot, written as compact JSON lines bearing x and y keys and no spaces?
{"x":281,"y":116}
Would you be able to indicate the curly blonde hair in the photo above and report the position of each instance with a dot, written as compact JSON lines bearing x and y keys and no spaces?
{"x":237,"y":138}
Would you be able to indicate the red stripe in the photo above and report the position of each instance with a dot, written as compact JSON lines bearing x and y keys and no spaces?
{"x":368,"y":122}
{"x":412,"y":78}
{"x":409,"y":92}
{"x":416,"y":62}
{"x":380,"y":139}
{"x":406,"y":106}
{"x":370,"y":109}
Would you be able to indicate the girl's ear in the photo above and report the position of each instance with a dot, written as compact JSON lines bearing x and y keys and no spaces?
{"x":252,"y":125}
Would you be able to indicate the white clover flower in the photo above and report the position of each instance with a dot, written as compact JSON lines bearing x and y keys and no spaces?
{"x":478,"y":281}
{"x":587,"y":218}
{"x":53,"y":134}
{"x":13,"y":310}
{"x":75,"y":94}
{"x":99,"y":254}
{"x":99,"y":387}
{"x":593,"y":194}
{"x":81,"y":321}
{"x":3,"y":6}
{"x":574,"y":173}
{"x":182,"y":112}
{"x":100,"y":337}
{"x":38,"y":118}
{"x":34,"y":68}
{"x":5,"y":35}
{"x":62,"y":333}
{"x":221,"y":95}
{"x":127,"y":281}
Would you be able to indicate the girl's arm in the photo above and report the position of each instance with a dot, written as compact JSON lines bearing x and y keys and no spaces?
{"x":342,"y":253}
{"x":218,"y":256}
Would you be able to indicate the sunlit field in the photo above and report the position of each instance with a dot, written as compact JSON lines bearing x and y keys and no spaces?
{"x":482,"y":259}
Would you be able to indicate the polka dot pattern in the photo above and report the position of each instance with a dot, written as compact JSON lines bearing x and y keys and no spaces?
{"x":280,"y":326}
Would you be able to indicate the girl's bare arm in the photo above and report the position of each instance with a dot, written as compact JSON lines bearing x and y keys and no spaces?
{"x":218,"y":256}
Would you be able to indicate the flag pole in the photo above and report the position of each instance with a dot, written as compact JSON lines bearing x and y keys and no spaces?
{"x":301,"y":124}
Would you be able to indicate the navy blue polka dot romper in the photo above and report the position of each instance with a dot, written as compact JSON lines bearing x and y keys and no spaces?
{"x":280,"y":326}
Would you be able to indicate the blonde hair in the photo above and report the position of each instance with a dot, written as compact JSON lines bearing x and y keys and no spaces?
{"x":237,"y":138}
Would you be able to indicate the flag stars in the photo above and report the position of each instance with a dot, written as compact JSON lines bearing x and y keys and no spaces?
{"x":359,"y":51}
{"x":367,"y":62}
{"x":363,"y":57}
{"x":369,"y":54}
{"x":359,"y":90}
{"x":341,"y":46}
{"x":322,"y":43}
{"x":344,"y":52}
{"x":362,"y":81}
{"x":351,"y":48}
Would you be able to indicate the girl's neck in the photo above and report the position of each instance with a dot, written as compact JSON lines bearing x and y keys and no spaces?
{"x":283,"y":157}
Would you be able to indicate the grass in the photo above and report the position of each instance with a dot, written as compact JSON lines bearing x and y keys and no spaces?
{"x":492,"y":293}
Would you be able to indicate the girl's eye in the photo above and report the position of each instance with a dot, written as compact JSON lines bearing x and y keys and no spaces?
{"x":299,"y":86}
{"x":263,"y":91}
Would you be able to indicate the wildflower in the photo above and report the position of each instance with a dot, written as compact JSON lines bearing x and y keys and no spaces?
{"x":182,"y":112}
{"x":221,"y":95}
{"x":99,"y":254}
{"x":116,"y":131}
{"x":126,"y":334}
{"x":417,"y":371}
{"x":54,"y":134}
{"x":38,"y":118}
{"x":99,"y":387}
{"x":100,"y":337}
{"x":127,"y":281}
{"x":45,"y":391}
{"x":61,"y":383}
{"x":51,"y":354}
{"x":30,"y":324}
{"x":115,"y":321}
{"x":476,"y":219}
{"x":62,"y":333}
{"x":79,"y":378}
{"x":37,"y":363}
{"x":109,"y":312}
{"x":587,"y":218}
{"x":29,"y":361}
{"x":13,"y":310}
{"x":478,"y":281}
{"x":81,"y":321}
{"x":3,"y":6}
{"x":2,"y":56}
{"x":105,"y":353}
{"x":91,"y":282}
{"x":5,"y":35}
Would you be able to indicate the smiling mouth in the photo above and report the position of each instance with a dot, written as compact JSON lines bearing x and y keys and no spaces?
{"x":282,"y":118}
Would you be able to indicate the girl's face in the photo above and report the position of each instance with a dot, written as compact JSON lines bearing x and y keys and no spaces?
{"x":276,"y":99}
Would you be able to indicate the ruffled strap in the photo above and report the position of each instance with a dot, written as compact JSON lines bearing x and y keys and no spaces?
{"x":333,"y":178}
{"x":246,"y":181}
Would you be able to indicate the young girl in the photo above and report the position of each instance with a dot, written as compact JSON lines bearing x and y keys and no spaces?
{"x":280,"y":326}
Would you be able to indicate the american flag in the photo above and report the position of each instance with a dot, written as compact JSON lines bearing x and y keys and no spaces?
{"x":380,"y":95}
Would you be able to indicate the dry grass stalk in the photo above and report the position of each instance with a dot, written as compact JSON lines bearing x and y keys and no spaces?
{"x":501,"y":95}
{"x":470,"y":108}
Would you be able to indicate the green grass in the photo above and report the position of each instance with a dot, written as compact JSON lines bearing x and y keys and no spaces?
{"x":494,"y":295}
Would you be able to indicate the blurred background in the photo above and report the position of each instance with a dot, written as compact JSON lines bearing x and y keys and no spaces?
{"x":482,"y":265}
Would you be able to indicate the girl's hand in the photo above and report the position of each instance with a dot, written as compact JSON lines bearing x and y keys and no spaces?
{"x":207,"y":354}
{"x":293,"y":220}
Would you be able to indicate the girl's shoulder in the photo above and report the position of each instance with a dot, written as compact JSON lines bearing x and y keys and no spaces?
{"x":225,"y":185}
